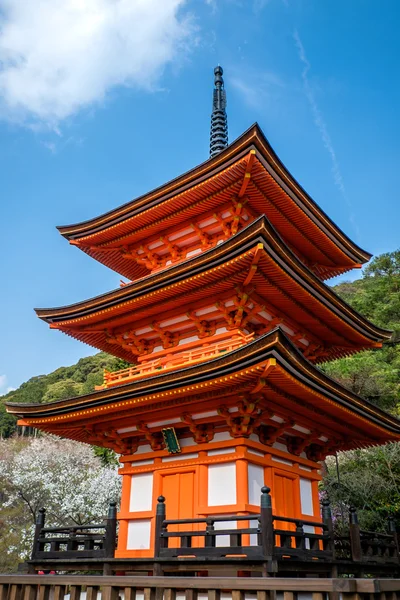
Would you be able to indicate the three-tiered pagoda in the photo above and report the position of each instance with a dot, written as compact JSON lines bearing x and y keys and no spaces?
{"x":224,"y":319}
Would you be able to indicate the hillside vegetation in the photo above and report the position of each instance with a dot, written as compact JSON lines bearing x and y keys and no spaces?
{"x":64,"y":382}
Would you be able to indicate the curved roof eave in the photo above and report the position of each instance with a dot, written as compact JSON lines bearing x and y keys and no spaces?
{"x":272,"y":344}
{"x":252,"y":137}
{"x":243,"y":240}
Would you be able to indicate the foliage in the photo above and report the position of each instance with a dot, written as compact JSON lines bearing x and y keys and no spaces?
{"x":62,"y":475}
{"x":375,"y":375}
{"x":370,"y":481}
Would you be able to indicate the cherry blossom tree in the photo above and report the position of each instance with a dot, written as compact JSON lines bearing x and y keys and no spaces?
{"x":63,"y":476}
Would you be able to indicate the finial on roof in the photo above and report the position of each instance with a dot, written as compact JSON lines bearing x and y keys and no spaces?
{"x":219,"y":121}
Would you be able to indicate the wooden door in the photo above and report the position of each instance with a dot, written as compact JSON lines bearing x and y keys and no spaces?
{"x":284,"y":498}
{"x":180,"y":502}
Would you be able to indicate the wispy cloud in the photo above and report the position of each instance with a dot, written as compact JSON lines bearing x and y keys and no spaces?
{"x":4,"y":388}
{"x":58,"y":56}
{"x":257,"y":88}
{"x":321,"y":125}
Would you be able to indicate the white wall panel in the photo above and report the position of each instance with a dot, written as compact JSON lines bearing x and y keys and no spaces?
{"x":256,"y":481}
{"x":139,"y":535}
{"x":141,"y":492}
{"x":306,"y":497}
{"x":222,"y":484}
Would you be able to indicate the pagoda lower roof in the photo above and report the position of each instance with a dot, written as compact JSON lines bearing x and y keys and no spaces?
{"x":269,"y":189}
{"x":255,"y":260}
{"x":270,"y":370}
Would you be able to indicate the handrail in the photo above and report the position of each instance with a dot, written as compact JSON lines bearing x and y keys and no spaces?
{"x":177,"y":357}
{"x":110,"y":586}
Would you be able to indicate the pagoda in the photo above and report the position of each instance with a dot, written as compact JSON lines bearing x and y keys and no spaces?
{"x":224,"y":320}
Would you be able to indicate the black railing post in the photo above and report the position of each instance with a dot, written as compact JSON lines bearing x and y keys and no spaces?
{"x":327,"y":521}
{"x":111,"y":531}
{"x":392,"y":529}
{"x":266,"y":523}
{"x":300,"y":540}
{"x":40,"y":521}
{"x":355,"y":538}
{"x":159,"y":541}
{"x":210,"y":540}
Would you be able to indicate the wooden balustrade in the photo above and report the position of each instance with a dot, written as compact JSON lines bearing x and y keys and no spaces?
{"x":175,"y":358}
{"x":266,"y":543}
{"x":76,"y":587}
{"x":76,"y":541}
{"x":276,"y":537}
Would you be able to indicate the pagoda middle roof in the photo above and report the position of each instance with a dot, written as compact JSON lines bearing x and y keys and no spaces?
{"x":293,"y":385}
{"x":271,"y":190}
{"x":281,"y":279}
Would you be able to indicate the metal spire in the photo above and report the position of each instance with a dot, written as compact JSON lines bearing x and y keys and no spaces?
{"x":219,"y":121}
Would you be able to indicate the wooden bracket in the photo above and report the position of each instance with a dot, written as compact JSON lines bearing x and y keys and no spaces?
{"x":268,"y":435}
{"x":202,"y":432}
{"x":296,"y":444}
{"x":243,"y":422}
{"x":168,"y":338}
{"x":224,"y":225}
{"x":129,"y":341}
{"x":175,"y":252}
{"x":204,"y":328}
{"x":204,"y":238}
{"x":109,"y":438}
{"x":155,"y":439}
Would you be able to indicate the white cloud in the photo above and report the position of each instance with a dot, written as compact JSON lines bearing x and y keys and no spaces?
{"x":3,"y":381}
{"x":10,"y":389}
{"x":321,"y":125}
{"x":58,"y":56}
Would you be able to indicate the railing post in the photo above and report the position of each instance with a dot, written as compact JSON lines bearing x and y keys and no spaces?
{"x":393,"y":531}
{"x":210,"y":540}
{"x":111,"y":531}
{"x":300,"y":541}
{"x":40,"y":521}
{"x":159,"y":542}
{"x":327,"y":521}
{"x":355,"y":539}
{"x":266,"y":523}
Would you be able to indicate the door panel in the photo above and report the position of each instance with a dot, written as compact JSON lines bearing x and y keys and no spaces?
{"x":179,"y":492}
{"x":284,"y":499}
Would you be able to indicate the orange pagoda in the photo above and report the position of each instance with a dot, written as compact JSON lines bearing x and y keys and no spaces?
{"x":224,"y":320}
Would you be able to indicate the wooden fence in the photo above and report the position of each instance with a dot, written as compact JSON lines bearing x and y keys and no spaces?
{"x":75,"y":587}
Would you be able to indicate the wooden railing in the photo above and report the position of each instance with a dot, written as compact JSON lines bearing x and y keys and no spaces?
{"x":273,"y":542}
{"x":57,"y":587}
{"x":76,"y":541}
{"x":276,"y":537}
{"x":177,"y":357}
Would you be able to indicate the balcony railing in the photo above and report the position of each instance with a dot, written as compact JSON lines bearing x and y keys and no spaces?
{"x":261,"y":542}
{"x":174,"y":358}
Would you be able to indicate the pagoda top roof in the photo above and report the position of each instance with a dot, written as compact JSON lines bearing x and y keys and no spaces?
{"x":301,"y":217}
{"x":293,"y":384}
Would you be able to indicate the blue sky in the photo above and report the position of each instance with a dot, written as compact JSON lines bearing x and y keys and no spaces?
{"x":103,"y":100}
